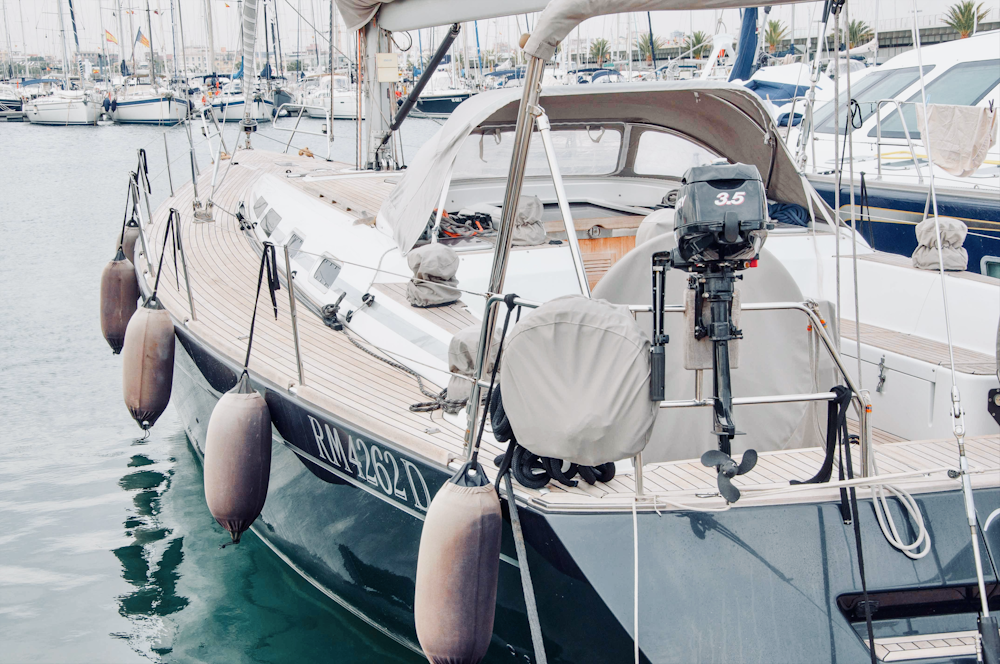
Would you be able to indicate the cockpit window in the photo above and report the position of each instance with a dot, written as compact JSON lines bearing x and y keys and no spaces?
{"x":592,"y":150}
{"x":668,"y":155}
{"x":964,"y":84}
{"x":871,"y":89}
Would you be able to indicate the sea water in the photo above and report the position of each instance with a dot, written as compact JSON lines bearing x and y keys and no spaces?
{"x":107,"y":550}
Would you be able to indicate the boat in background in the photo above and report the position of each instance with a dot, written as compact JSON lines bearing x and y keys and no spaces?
{"x":894,"y":167}
{"x":64,"y":108}
{"x":147,"y":104}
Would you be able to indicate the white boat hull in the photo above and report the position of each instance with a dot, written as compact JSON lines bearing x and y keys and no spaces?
{"x":62,"y":111}
{"x":232,"y":110}
{"x":153,"y":111}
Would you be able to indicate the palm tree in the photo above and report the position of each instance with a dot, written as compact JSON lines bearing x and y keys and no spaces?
{"x":858,"y":32}
{"x":599,"y":51}
{"x":964,"y":16}
{"x":697,"y":43}
{"x":642,"y":43}
{"x":774,"y":35}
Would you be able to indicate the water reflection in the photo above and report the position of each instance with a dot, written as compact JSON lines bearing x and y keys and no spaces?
{"x":150,"y":563}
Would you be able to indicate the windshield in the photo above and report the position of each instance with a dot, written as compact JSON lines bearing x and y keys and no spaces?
{"x":590,"y":150}
{"x":868,"y":92}
{"x":963,"y":85}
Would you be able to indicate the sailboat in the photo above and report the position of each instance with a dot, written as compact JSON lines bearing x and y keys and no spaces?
{"x":832,"y":498}
{"x":66,"y":106}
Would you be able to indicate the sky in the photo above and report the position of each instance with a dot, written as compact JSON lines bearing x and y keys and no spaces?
{"x":34,"y":28}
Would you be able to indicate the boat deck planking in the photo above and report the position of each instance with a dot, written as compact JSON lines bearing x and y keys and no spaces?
{"x":223,"y":262}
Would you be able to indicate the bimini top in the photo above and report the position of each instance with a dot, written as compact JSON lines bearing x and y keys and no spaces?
{"x":725,"y":118}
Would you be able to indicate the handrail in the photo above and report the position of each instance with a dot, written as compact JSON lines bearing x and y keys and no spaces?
{"x":906,"y":131}
{"x":860,"y":398}
{"x":295,"y":130}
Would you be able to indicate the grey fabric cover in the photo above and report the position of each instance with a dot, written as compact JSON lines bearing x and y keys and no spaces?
{"x":462,"y":352}
{"x":433,"y":283}
{"x":458,"y":565}
{"x":658,"y":222}
{"x":699,"y":353}
{"x":528,"y":229}
{"x":960,"y":137}
{"x":778,"y":356}
{"x":953,"y":232}
{"x":561,"y":16}
{"x":575,"y":377}
{"x":726,"y":118}
{"x":357,"y":13}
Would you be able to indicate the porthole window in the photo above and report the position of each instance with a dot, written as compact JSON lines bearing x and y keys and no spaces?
{"x":259,"y":206}
{"x":327,"y":272}
{"x":271,"y":221}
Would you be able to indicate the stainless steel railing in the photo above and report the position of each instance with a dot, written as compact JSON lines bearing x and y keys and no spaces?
{"x":860,"y":398}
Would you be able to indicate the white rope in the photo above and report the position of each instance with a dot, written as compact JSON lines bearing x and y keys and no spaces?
{"x":888,"y":524}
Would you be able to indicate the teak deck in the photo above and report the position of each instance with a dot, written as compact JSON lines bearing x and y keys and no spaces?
{"x":223,"y":262}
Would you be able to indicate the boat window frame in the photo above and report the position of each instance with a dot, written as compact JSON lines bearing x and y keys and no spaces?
{"x":916,"y":98}
{"x":509,"y":127}
{"x":637,"y":129}
{"x":869,"y":81}
{"x":326,"y":257}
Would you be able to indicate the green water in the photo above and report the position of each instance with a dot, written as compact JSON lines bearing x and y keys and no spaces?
{"x":107,"y":550}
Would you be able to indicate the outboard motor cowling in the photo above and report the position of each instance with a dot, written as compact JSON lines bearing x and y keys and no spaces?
{"x":721,"y":214}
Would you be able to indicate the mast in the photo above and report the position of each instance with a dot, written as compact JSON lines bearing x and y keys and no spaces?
{"x":173,"y":37}
{"x":180,"y":28}
{"x":104,"y":44}
{"x":267,"y":49}
{"x":10,"y":51}
{"x":152,"y":53}
{"x":276,"y":40}
{"x":76,"y":39}
{"x":121,"y":41}
{"x":62,"y":42}
{"x":211,"y":37}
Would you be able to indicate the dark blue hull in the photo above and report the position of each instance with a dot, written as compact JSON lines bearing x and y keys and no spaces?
{"x":757,"y":584}
{"x":439,"y":106}
{"x":905,"y":208}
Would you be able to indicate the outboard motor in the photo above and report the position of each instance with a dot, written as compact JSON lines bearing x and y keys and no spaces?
{"x":720,"y":226}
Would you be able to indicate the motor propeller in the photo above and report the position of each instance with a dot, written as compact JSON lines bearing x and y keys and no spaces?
{"x":728,"y":469}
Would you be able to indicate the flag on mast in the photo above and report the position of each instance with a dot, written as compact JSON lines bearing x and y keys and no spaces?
{"x":140,"y":39}
{"x":110,"y":37}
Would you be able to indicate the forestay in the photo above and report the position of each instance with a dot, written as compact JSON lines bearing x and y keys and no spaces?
{"x":724,"y":118}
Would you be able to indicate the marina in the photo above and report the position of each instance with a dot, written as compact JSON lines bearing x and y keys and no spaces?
{"x":563,"y":366}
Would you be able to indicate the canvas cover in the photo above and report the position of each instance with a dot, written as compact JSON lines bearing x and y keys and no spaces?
{"x":462,"y":351}
{"x":959,"y":136}
{"x":433,"y":284}
{"x":953,"y":232}
{"x":357,"y":13}
{"x":575,"y":377}
{"x":658,"y":222}
{"x":528,"y":229}
{"x":778,"y":355}
{"x":726,"y":118}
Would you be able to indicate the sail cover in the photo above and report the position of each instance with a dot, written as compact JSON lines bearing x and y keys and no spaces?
{"x":561,"y":16}
{"x":726,"y":118}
